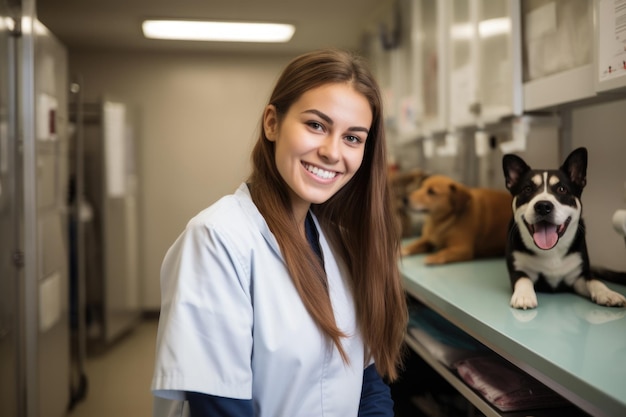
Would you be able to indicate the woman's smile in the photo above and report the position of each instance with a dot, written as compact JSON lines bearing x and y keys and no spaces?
{"x":320,"y":173}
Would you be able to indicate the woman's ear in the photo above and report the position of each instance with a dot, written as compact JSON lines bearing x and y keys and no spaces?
{"x":270,"y":122}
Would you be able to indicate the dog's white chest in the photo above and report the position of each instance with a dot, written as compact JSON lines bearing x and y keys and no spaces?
{"x":554,"y":268}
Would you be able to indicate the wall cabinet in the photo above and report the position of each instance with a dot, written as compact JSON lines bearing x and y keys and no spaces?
{"x":466,"y":64}
{"x":485,"y":59}
{"x":558,"y":52}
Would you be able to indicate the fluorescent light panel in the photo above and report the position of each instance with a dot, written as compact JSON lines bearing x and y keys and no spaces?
{"x":194,"y":30}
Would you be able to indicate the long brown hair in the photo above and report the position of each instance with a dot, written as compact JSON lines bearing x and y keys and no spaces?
{"x":358,"y":219}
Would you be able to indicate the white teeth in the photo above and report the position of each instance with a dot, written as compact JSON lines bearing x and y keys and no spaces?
{"x":320,"y":172}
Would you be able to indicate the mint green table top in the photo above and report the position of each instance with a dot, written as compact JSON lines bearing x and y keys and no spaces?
{"x":572,"y":345}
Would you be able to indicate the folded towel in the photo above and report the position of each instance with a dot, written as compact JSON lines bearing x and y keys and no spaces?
{"x":443,"y":340}
{"x":505,"y":386}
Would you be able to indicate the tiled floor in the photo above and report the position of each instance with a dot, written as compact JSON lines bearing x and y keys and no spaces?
{"x":119,"y":380}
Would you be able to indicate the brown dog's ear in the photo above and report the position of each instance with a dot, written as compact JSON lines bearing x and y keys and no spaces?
{"x":459,"y":196}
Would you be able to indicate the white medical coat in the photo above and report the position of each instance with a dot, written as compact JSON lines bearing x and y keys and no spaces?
{"x":232,"y":323}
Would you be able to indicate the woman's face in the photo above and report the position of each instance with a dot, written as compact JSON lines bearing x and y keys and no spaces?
{"x":320,"y":142}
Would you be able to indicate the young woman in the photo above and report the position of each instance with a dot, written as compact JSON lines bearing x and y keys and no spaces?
{"x":284,"y":299}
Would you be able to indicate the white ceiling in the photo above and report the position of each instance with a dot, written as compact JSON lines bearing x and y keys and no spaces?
{"x":116,"y":24}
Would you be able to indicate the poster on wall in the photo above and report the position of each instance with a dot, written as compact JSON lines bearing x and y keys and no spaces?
{"x":611,"y":46}
{"x":115,"y":148}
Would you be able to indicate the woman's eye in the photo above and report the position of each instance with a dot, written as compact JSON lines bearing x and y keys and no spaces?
{"x":315,"y":125}
{"x":353,"y":139}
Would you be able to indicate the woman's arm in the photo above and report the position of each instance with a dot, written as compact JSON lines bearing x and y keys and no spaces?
{"x":376,"y":398}
{"x":205,"y":405}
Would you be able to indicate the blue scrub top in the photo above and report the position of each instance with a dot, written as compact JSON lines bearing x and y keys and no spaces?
{"x":232,"y":323}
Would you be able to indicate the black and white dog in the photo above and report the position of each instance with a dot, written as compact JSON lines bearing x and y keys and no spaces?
{"x":546,"y":248}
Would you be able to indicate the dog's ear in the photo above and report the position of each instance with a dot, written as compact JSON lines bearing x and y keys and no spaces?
{"x":459,"y":196}
{"x":514,"y":168}
{"x":575,"y":166}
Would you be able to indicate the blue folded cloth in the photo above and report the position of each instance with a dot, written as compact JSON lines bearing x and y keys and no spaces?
{"x":444,"y":341}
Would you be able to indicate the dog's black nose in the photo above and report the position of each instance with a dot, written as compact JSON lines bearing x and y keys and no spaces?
{"x":543,"y":207}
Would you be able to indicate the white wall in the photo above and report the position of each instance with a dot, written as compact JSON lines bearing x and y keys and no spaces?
{"x":602,"y":130}
{"x":198,"y":119}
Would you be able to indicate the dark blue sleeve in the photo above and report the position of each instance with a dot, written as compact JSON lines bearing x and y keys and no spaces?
{"x":205,"y":405}
{"x":375,"y":396}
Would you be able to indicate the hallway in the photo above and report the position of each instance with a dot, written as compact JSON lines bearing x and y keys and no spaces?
{"x":119,"y":380}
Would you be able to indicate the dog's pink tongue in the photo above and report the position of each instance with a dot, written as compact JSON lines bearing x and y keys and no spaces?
{"x":545,"y":235}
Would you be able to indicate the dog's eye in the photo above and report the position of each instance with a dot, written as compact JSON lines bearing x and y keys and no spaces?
{"x":527,"y":190}
{"x":431,"y":191}
{"x":561,"y":189}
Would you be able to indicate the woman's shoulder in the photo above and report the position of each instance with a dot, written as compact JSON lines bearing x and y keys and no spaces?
{"x":227,"y":207}
{"x":234,"y":216}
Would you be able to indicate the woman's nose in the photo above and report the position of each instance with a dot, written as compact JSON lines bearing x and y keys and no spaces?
{"x":329,"y":148}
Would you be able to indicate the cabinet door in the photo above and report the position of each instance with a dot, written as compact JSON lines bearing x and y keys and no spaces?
{"x":406,"y":68}
{"x":485,"y":59}
{"x":499,"y":60}
{"x":558,"y":52}
{"x":431,"y":33}
{"x":463,"y":97}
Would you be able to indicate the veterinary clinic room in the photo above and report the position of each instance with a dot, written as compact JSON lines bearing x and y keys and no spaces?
{"x":162,"y":161}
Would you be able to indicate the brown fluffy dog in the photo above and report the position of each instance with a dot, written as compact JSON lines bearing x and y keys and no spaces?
{"x":462,"y":223}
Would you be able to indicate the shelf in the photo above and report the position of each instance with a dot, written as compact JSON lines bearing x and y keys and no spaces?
{"x":475,"y":398}
{"x":554,"y":90}
{"x":568,"y":343}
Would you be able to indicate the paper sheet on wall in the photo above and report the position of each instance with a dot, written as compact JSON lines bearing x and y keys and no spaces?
{"x":46,"y":115}
{"x":611,"y":39}
{"x":115,"y":148}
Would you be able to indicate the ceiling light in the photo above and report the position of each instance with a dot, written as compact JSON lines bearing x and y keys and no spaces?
{"x":193,"y":30}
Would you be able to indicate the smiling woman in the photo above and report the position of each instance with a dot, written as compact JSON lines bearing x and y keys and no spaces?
{"x":320,"y":142}
{"x":284,"y":298}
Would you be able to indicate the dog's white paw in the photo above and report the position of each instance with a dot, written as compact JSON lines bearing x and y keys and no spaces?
{"x":601,"y":294}
{"x":524,"y":301}
{"x":609,"y":298}
{"x":524,"y":296}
